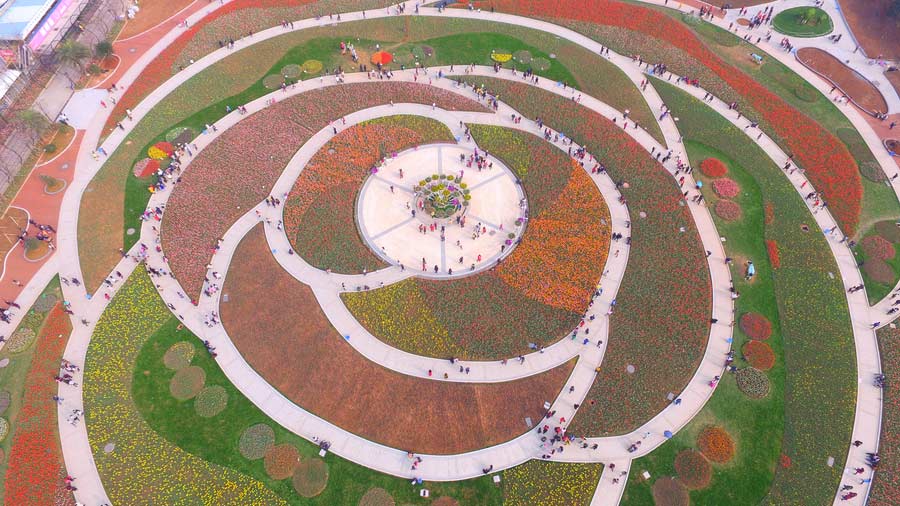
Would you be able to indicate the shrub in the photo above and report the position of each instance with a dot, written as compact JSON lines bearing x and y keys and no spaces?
{"x":255,"y":440}
{"x":187,"y":383}
{"x":211,"y":401}
{"x":280,"y":461}
{"x":713,"y":167}
{"x":879,"y":271}
{"x":311,"y":477}
{"x":726,"y":187}
{"x":753,"y":382}
{"x":179,"y":355}
{"x":759,"y":354}
{"x":50,"y":148}
{"x":693,"y":469}
{"x":670,"y":492}
{"x":728,"y":210}
{"x":756,"y":326}
{"x":716,"y":444}
{"x":376,"y":497}
{"x":774,"y":255}
{"x":875,"y":246}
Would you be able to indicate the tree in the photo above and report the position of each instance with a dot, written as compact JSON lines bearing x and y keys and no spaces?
{"x":74,"y":52}
{"x":34,"y":121}
{"x":103,"y":49}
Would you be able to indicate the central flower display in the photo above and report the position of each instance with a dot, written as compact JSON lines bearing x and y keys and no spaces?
{"x":442,"y":196}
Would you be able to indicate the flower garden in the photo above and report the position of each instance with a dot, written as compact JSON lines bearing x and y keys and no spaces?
{"x":307,"y":369}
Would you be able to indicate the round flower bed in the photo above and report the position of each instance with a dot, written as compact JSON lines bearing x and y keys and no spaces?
{"x":713,"y":167}
{"x":211,"y":401}
{"x":670,"y":492}
{"x":292,"y":71}
{"x":442,"y":196}
{"x":759,"y":354}
{"x":376,"y":497}
{"x":20,"y":340}
{"x":693,"y":469}
{"x":875,"y":246}
{"x":44,"y":303}
{"x":501,"y":55}
{"x":310,"y":477}
{"x":756,"y":326}
{"x":179,"y":355}
{"x":872,"y":171}
{"x":4,"y":428}
{"x":523,"y":56}
{"x":161,"y":150}
{"x":540,"y":64}
{"x":180,"y":135}
{"x":187,"y":383}
{"x":726,"y":188}
{"x":728,"y":210}
{"x":255,"y":440}
{"x":312,"y":66}
{"x":716,"y":444}
{"x":280,"y":461}
{"x":889,"y":230}
{"x":879,"y":271}
{"x":273,"y":81}
{"x":753,"y":382}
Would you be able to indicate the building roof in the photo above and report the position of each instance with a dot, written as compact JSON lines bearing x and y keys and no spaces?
{"x":18,"y":18}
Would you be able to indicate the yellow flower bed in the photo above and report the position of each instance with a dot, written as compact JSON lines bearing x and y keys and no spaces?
{"x":550,"y":484}
{"x":144,"y":465}
{"x":501,"y":57}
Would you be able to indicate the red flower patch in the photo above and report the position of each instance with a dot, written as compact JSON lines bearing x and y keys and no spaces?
{"x":875,"y":246}
{"x":726,"y":187}
{"x":728,"y":210}
{"x":756,"y":326}
{"x":774,"y":256}
{"x":713,"y":167}
{"x":759,"y":354}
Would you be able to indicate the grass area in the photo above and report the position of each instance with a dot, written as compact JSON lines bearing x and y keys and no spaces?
{"x":216,"y":439}
{"x":20,"y":354}
{"x":108,"y":210}
{"x":818,"y":406}
{"x":803,"y":22}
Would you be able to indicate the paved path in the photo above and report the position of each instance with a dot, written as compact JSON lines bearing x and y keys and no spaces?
{"x":510,"y":453}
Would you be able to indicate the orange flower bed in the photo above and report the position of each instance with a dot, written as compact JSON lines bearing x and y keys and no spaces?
{"x":693,"y":469}
{"x":756,"y":326}
{"x":716,"y":444}
{"x":549,"y":266}
{"x":712,"y":167}
{"x":759,"y":354}
{"x":774,"y":257}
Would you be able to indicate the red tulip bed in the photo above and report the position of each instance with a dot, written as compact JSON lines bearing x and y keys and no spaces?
{"x":886,"y":485}
{"x":825,"y":158}
{"x":537,"y":295}
{"x":319,"y":213}
{"x":238,"y":169}
{"x":35,"y":471}
{"x":661,"y":320}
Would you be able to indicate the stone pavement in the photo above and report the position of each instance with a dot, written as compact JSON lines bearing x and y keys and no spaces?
{"x":469,"y":464}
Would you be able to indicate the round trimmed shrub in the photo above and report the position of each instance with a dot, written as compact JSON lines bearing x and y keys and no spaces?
{"x":753,"y":382}
{"x":255,"y":440}
{"x":179,"y":355}
{"x":211,"y":401}
{"x":5,"y":399}
{"x":376,"y":497}
{"x":875,"y":246}
{"x":44,"y":303}
{"x":187,"y":383}
{"x":310,"y":477}
{"x":280,"y":461}
{"x":670,"y":492}
{"x":726,"y":187}
{"x":879,"y":271}
{"x":756,"y":326}
{"x":20,"y":340}
{"x":4,"y":428}
{"x":728,"y":210}
{"x":693,"y":470}
{"x":889,"y":230}
{"x":713,"y":167}
{"x":759,"y":354}
{"x":716,"y":444}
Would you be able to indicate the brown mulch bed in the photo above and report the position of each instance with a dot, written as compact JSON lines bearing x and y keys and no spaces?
{"x":894,"y":79}
{"x":876,"y":32}
{"x":276,"y":323}
{"x":858,"y":88}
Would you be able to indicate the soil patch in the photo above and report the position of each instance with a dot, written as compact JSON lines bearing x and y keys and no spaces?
{"x":858,"y":88}
{"x":152,"y":13}
{"x":291,"y":343}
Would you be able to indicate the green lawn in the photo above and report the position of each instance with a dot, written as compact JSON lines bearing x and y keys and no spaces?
{"x":803,"y":22}
{"x":814,"y":321}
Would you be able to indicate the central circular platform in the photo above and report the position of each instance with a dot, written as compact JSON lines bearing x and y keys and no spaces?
{"x":442,"y":210}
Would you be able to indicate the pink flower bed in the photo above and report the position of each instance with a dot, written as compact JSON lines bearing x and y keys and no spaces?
{"x":726,"y":188}
{"x":238,"y":169}
{"x":728,"y":210}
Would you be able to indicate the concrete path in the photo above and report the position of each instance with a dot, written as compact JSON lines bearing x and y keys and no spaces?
{"x":466,"y":465}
